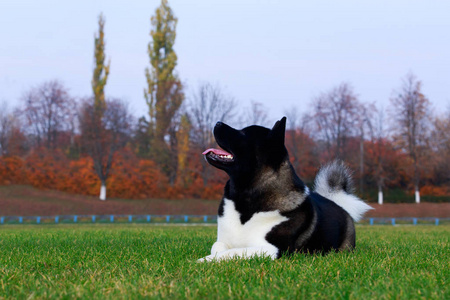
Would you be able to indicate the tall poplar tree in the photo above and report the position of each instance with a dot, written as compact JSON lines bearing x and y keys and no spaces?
{"x":164,"y":92}
{"x":183,"y":143}
{"x":95,"y":136}
{"x":101,"y":71}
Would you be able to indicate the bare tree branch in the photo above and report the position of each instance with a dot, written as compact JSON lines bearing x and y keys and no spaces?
{"x":207,"y":106}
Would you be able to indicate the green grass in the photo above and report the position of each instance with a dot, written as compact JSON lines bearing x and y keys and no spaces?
{"x":145,"y":261}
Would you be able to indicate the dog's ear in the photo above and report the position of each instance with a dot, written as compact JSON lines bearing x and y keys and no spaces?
{"x":276,"y":135}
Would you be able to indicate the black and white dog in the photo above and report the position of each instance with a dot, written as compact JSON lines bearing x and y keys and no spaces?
{"x":267,"y":210}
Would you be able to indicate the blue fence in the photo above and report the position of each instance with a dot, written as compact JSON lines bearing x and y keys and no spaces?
{"x":403,"y":221}
{"x":184,"y":219}
{"x":64,"y":219}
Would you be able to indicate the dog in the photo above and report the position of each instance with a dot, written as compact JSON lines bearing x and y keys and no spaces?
{"x":267,"y":210}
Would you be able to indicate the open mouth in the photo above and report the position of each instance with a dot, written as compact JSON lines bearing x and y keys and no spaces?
{"x":218,"y":155}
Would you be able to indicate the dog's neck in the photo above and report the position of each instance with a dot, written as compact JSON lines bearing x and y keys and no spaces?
{"x":269,"y":190}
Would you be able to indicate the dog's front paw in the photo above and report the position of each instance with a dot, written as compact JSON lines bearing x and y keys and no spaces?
{"x":219,"y":247}
{"x":206,"y":258}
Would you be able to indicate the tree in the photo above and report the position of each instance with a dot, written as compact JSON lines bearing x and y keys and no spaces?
{"x":182,"y":136}
{"x":102,"y":139}
{"x":208,"y":105}
{"x":440,"y":144}
{"x":13,"y":141}
{"x":101,"y":71}
{"x":301,"y":146}
{"x":364,"y":124}
{"x":336,"y":113}
{"x":48,"y":110}
{"x":141,"y":138}
{"x":6,"y":128}
{"x":164,"y":92}
{"x":256,"y":114}
{"x":379,"y":145}
{"x":99,"y":141}
{"x":410,"y":114}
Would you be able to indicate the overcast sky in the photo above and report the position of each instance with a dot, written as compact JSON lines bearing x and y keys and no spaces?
{"x":279,"y":53}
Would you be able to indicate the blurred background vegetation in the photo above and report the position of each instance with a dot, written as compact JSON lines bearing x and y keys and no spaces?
{"x":94,"y":144}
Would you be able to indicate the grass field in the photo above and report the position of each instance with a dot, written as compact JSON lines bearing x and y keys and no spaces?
{"x":145,"y":261}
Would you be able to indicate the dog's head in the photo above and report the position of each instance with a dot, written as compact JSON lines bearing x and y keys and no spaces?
{"x":248,"y":151}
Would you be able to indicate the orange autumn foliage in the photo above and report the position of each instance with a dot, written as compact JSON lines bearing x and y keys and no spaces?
{"x":129,"y":178}
{"x":11,"y":170}
{"x":47,"y":169}
{"x":135,"y":178}
{"x":82,"y":178}
{"x":431,"y":190}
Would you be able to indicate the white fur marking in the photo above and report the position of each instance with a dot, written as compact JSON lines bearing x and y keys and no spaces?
{"x":244,"y":240}
{"x":307,"y":190}
{"x":355,"y":207}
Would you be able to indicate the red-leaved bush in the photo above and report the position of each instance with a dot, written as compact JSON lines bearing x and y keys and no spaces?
{"x":11,"y":170}
{"x":130,"y":177}
{"x":135,"y":178}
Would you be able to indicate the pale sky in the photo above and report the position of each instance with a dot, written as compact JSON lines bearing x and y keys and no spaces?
{"x":279,"y":53}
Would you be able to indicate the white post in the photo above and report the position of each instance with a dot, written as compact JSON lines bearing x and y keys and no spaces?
{"x":380,"y":197}
{"x":103,"y":192}
{"x":417,"y":196}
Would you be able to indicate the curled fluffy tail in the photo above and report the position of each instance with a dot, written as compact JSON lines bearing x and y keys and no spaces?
{"x":334,"y":181}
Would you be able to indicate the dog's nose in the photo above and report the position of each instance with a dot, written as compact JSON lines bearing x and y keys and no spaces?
{"x":219,"y":124}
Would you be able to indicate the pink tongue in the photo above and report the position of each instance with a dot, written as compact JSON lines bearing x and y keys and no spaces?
{"x":216,"y":151}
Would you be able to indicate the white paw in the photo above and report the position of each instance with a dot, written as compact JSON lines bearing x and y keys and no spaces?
{"x":219,"y":247}
{"x":206,"y":258}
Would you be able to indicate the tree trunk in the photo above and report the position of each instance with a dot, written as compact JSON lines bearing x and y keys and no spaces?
{"x":103,"y":191}
{"x":380,"y":195}
{"x":361,"y":165}
{"x":416,"y":176}
{"x":205,"y":174}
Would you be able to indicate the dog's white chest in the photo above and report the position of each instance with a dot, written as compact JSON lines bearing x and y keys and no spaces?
{"x":234,"y":234}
